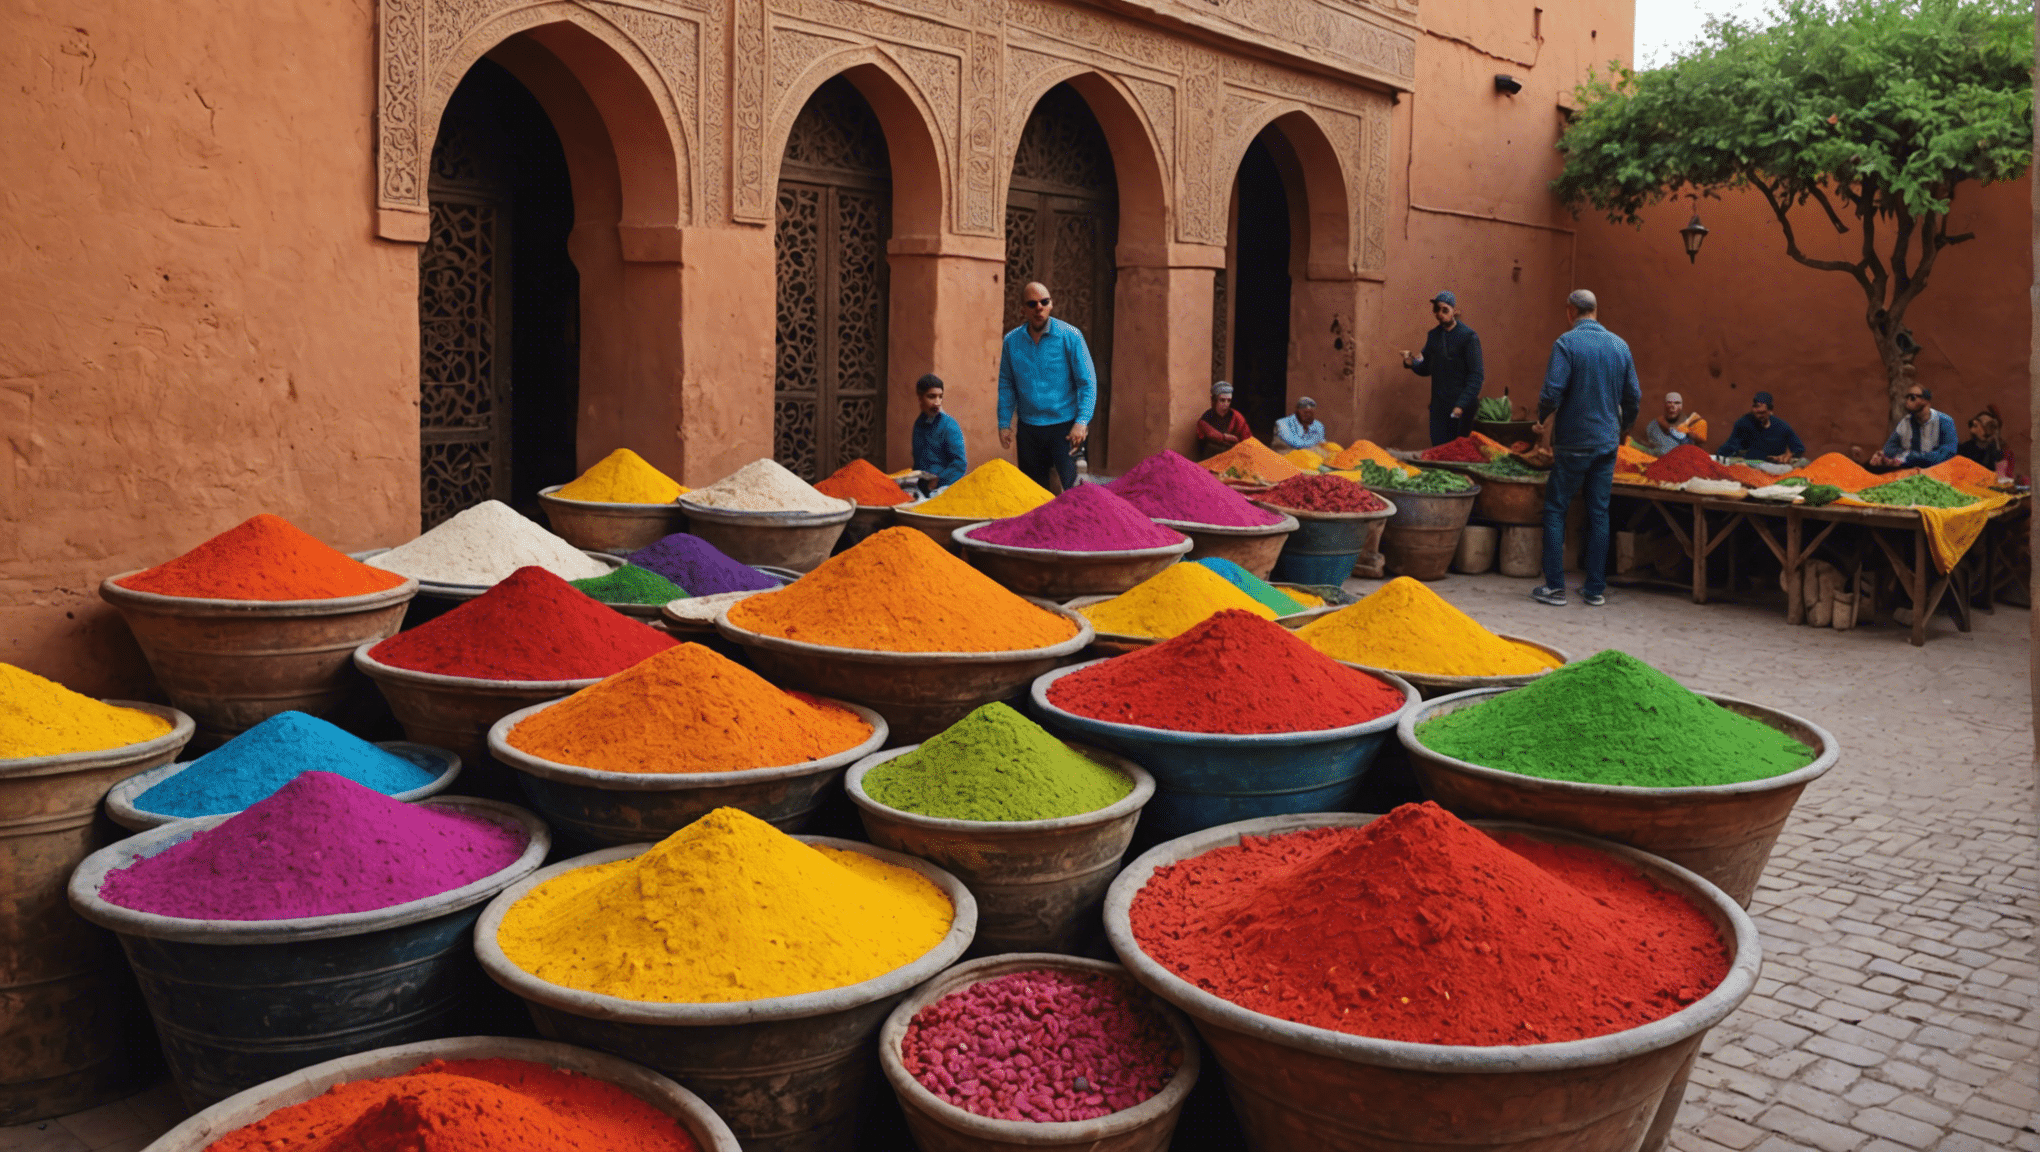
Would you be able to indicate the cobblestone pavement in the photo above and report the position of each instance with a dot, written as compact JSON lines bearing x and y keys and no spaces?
{"x":1897,"y":1007}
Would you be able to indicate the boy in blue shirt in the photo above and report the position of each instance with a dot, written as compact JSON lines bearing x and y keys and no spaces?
{"x":938,"y":438}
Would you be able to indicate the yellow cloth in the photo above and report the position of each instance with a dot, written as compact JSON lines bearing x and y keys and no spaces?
{"x":1951,"y":531}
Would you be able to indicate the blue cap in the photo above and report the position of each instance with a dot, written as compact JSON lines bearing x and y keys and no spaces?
{"x":1445,"y":298}
{"x":1763,"y":398}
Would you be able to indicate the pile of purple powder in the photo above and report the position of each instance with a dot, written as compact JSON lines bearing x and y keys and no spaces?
{"x":1046,"y":1046}
{"x":1167,"y":486}
{"x":321,"y":845}
{"x":1086,"y":518}
{"x":699,"y":567}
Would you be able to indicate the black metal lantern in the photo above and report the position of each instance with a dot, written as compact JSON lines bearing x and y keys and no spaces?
{"x":1694,"y":234}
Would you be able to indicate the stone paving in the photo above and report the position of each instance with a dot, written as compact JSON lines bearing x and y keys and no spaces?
{"x":1897,"y":1007}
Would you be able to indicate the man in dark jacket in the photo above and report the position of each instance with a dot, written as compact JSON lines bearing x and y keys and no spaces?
{"x":1590,"y":395}
{"x":1451,"y":358}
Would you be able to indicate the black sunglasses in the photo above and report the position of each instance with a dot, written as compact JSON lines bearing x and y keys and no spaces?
{"x":1041,"y":303}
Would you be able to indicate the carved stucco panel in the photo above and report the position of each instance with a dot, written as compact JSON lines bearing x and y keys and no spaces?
{"x":793,"y":51}
{"x":749,"y":198}
{"x":1097,"y":33}
{"x":1378,"y":119}
{"x":1205,"y":190}
{"x":978,"y":211}
{"x":1325,"y":30}
{"x":1158,"y":100}
{"x":400,"y":35}
{"x":673,"y":41}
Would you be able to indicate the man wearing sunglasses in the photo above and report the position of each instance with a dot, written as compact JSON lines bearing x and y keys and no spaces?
{"x":1922,"y":439}
{"x":1047,"y":380}
{"x":1451,"y":358}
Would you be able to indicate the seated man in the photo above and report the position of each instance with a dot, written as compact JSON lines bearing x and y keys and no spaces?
{"x":1758,"y":435}
{"x":1923,"y":437}
{"x":1221,"y":426}
{"x":1302,"y":430}
{"x":1676,"y":427}
{"x":938,"y":438}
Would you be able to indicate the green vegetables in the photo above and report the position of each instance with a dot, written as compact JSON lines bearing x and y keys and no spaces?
{"x":1920,"y":490}
{"x":1795,"y":482}
{"x":1493,"y":409}
{"x":1510,"y":468}
{"x":1428,"y":480}
{"x":1819,"y":494}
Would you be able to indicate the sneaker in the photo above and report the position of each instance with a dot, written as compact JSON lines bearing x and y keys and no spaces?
{"x":1594,"y":599}
{"x":1547,"y":595}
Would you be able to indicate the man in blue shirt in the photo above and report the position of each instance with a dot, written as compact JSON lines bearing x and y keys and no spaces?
{"x":1303,"y":430}
{"x":1590,"y":395}
{"x":1922,"y":439}
{"x":938,"y":438}
{"x":1047,"y":380}
{"x":1758,"y":435}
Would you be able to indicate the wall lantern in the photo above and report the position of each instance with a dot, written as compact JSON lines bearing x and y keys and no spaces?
{"x":1694,"y":234}
{"x":1507,"y":85}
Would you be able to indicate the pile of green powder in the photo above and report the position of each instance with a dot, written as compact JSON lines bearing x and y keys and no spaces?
{"x":631,"y":584}
{"x":1916,"y":490}
{"x":995,"y":765}
{"x":1396,"y":480}
{"x":1613,"y":719}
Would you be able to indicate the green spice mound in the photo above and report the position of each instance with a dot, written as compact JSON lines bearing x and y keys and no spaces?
{"x":1613,"y":719}
{"x":1374,"y":475}
{"x":1916,"y":490}
{"x":995,"y":765}
{"x":631,"y":584}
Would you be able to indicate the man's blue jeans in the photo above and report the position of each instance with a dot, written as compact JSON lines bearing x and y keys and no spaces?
{"x":1593,"y":473}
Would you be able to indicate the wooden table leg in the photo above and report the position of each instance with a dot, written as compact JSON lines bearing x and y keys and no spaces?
{"x":1699,"y":554}
{"x":1795,"y":575}
{"x":1921,"y":607}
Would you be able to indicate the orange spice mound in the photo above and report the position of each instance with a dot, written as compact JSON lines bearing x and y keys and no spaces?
{"x":263,"y":558}
{"x":1960,"y":470}
{"x":1630,"y":459}
{"x":860,"y":481}
{"x":1252,"y":460}
{"x":899,"y":591}
{"x":1841,"y":472}
{"x":687,"y":710}
{"x":1747,"y":476}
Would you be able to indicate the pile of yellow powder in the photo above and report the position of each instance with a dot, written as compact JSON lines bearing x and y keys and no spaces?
{"x":623,"y":477}
{"x":1349,"y":460}
{"x":41,"y":717}
{"x":1305,"y":459}
{"x":728,"y":908}
{"x":1170,"y":603}
{"x":993,"y":490}
{"x":1405,"y":627}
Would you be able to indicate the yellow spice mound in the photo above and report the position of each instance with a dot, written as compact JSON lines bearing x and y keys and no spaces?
{"x":993,"y":490}
{"x":1405,"y":627}
{"x":1305,"y":459}
{"x":1171,"y":602}
{"x":1254,"y":461}
{"x":1349,"y":460}
{"x":41,"y":717}
{"x":728,"y":908}
{"x":623,"y":477}
{"x":899,"y":591}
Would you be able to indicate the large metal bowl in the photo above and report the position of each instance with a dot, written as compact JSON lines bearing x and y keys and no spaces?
{"x":796,"y":540}
{"x":456,"y":711}
{"x":604,"y":526}
{"x":1252,"y":548}
{"x":940,"y":529}
{"x":444,"y":765}
{"x":1055,"y":574}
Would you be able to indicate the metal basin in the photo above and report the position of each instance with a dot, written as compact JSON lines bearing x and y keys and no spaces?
{"x":939,"y":1126}
{"x":786,"y":1073}
{"x":1254,"y":549}
{"x":1326,"y":545}
{"x":1054,"y":574}
{"x":1298,"y":1088}
{"x":70,"y":1020}
{"x":444,"y":765}
{"x":796,"y":540}
{"x":1433,"y":686}
{"x":1422,"y":536}
{"x":940,"y":529}
{"x":456,"y":711}
{"x":602,"y":526}
{"x":594,"y":808}
{"x":1503,"y":501}
{"x":1037,"y":882}
{"x":868,"y":520}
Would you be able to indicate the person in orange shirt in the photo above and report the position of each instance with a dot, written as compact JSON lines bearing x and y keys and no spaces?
{"x":1677,"y":426}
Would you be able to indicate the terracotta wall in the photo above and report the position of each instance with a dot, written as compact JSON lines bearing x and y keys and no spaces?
{"x":196,"y":323}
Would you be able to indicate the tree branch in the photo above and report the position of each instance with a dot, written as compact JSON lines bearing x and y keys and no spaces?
{"x":1875,"y":279}
{"x":1782,"y":212}
{"x":1820,"y":198}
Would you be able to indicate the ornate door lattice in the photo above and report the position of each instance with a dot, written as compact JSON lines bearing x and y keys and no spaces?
{"x":1062,"y":225}
{"x":834,"y":216}
{"x":463,"y":337}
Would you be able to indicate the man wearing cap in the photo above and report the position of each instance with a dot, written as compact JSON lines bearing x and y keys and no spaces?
{"x":1923,"y":437}
{"x":1675,"y":428}
{"x":1221,"y":426}
{"x":1758,"y":435}
{"x":1047,"y":389}
{"x":1303,"y":430}
{"x":1590,"y":395}
{"x":1451,"y":358}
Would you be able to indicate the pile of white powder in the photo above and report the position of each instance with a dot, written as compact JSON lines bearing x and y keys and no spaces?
{"x":485,"y":544}
{"x":764,"y":486}
{"x":706,"y":608}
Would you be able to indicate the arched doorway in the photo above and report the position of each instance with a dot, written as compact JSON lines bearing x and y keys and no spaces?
{"x":1062,"y":227}
{"x":833,"y":220}
{"x":498,"y":304}
{"x":1257,"y":287}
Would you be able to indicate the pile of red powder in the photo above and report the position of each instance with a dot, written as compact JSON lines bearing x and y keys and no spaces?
{"x":531,"y":626}
{"x":1235,"y":674}
{"x":263,"y":558}
{"x":1086,"y":518}
{"x":1465,"y":450}
{"x":1419,"y":927}
{"x":1323,"y":494}
{"x":1684,"y":463}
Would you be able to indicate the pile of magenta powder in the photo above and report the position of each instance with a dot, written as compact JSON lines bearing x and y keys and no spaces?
{"x":321,"y":845}
{"x":1167,"y":486}
{"x":1086,"y":518}
{"x":1045,"y":1046}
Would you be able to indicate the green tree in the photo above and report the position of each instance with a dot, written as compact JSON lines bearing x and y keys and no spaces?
{"x":1862,"y":115}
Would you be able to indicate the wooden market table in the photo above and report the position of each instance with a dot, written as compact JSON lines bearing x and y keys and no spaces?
{"x":1707,"y":522}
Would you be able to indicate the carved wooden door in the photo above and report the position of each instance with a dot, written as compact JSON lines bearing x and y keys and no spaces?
{"x":464,"y":351}
{"x":833,"y":220}
{"x":1062,"y":226}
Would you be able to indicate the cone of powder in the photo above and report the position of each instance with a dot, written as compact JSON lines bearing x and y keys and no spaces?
{"x":485,"y":544}
{"x":1403,"y":626}
{"x":531,"y":626}
{"x":1280,"y":601}
{"x":255,"y":764}
{"x":995,"y":765}
{"x":993,"y":490}
{"x":859,"y":480}
{"x":1086,"y":518}
{"x":1170,"y":603}
{"x":1252,"y":460}
{"x":699,"y":567}
{"x":1167,"y":486}
{"x":263,"y":558}
{"x":41,"y":717}
{"x":622,"y":477}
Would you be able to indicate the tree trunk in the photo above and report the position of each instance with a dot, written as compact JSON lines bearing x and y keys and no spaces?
{"x":1898,"y":373}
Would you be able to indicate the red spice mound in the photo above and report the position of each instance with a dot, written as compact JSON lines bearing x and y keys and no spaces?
{"x":1422,"y":928}
{"x":263,"y":558}
{"x":1684,"y":463}
{"x":1233,"y":674}
{"x":1465,"y":449}
{"x":861,"y":481}
{"x":1323,"y":494}
{"x":531,"y":626}
{"x":466,"y":1106}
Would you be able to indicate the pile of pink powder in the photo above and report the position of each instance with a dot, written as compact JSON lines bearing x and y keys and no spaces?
{"x":1167,"y":486}
{"x":1087,"y":518}
{"x":1044,"y":1046}
{"x":319,"y":846}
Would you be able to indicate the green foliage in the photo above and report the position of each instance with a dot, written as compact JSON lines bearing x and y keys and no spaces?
{"x":1494,"y":409}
